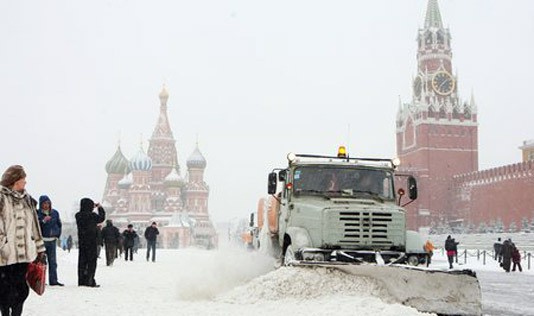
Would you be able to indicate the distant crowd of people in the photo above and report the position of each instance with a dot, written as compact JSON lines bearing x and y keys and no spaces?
{"x":30,"y":231}
{"x":507,"y":253}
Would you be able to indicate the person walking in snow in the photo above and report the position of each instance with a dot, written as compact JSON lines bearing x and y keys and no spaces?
{"x":497,"y":248}
{"x":516,"y":259}
{"x":128,"y":242}
{"x":86,"y":221}
{"x":50,"y":224}
{"x":110,"y":238}
{"x":449,"y":247}
{"x":20,"y":239}
{"x":69,"y":243}
{"x":151,"y":234}
{"x":507,"y":249}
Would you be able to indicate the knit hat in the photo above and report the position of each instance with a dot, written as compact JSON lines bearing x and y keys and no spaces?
{"x":12,"y":175}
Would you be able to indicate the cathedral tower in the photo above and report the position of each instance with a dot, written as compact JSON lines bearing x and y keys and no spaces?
{"x":197,"y":191}
{"x":116,"y":168}
{"x":162,"y":151}
{"x":437,"y":133}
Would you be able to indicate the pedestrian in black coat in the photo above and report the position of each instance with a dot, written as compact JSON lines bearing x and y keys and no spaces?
{"x":151,"y":233}
{"x":449,"y":247}
{"x":86,"y":221}
{"x":110,"y":237}
{"x":507,"y":248}
{"x":129,"y":236}
{"x":516,"y":259}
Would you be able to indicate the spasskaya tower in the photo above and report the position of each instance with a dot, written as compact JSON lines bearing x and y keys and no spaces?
{"x":437,"y":132}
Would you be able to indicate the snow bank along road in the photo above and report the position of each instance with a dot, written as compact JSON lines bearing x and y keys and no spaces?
{"x":235,"y":282}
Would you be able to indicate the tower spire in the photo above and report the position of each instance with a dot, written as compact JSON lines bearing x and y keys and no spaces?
{"x":163,"y":128}
{"x":433,"y":16}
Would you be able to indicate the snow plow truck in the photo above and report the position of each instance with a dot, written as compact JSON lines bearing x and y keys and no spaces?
{"x":344,"y":213}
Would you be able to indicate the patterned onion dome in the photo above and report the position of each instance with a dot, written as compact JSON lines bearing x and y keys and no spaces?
{"x":173,"y":179}
{"x":125,"y":182}
{"x":196,"y":160}
{"x":118,"y":164}
{"x":141,"y":161}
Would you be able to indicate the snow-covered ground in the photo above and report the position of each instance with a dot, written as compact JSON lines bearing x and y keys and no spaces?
{"x":235,"y":282}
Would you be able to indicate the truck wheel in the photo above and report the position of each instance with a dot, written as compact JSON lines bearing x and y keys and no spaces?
{"x":413,"y":260}
{"x":289,"y":256}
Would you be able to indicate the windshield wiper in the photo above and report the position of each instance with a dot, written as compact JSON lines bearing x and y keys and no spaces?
{"x":374,"y":195}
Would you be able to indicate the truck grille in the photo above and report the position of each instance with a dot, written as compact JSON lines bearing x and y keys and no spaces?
{"x":363,"y":229}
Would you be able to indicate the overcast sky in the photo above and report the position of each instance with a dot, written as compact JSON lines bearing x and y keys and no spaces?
{"x":253,"y":79}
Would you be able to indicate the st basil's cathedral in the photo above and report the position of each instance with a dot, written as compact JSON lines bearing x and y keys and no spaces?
{"x":149,"y":187}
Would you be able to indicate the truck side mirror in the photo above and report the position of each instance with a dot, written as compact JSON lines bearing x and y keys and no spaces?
{"x":282,"y":175}
{"x":412,"y":188}
{"x":272,"y":183}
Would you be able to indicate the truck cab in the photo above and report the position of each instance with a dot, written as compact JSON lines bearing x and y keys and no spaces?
{"x":339,"y":209}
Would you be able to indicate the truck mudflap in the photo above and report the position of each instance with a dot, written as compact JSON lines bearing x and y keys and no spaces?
{"x":454,"y":292}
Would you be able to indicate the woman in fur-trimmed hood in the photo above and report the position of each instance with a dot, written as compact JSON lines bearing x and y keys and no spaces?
{"x":21,"y":241}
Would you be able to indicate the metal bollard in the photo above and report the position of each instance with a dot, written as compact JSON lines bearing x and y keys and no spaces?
{"x":465,"y":256}
{"x":529,"y":260}
{"x":478,"y":254}
{"x":484,"y":257}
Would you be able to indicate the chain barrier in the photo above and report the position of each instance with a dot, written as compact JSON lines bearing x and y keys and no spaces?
{"x":482,"y":254}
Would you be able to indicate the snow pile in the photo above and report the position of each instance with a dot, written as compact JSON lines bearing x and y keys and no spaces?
{"x":218,"y":272}
{"x":314,"y":291}
{"x":302,"y":284}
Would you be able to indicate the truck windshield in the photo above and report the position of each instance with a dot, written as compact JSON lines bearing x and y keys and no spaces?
{"x":343,"y":181}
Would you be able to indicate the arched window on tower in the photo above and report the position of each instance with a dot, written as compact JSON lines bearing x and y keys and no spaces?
{"x":467,"y":113}
{"x":428,"y":37}
{"x":442,"y":112}
{"x":455,"y":114}
{"x":440,"y":38}
{"x":431,"y":112}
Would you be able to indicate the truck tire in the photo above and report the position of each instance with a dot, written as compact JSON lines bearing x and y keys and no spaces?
{"x":289,"y":256}
{"x":413,"y":260}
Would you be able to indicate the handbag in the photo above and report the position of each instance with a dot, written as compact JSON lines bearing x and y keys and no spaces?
{"x":36,"y":276}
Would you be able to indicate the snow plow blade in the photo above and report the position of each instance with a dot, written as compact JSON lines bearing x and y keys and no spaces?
{"x":455,"y":292}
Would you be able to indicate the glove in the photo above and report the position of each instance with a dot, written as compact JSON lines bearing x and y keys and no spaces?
{"x":41,"y":257}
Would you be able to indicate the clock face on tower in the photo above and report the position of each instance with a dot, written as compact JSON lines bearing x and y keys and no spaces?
{"x":443,"y":83}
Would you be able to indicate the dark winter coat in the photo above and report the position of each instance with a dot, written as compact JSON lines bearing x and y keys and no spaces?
{"x":449,"y":244}
{"x":86,"y":221}
{"x":507,"y":249}
{"x":52,"y":227}
{"x":151,"y":233}
{"x":497,"y":247}
{"x":516,"y":256}
{"x":111,"y":234}
{"x":129,"y":237}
